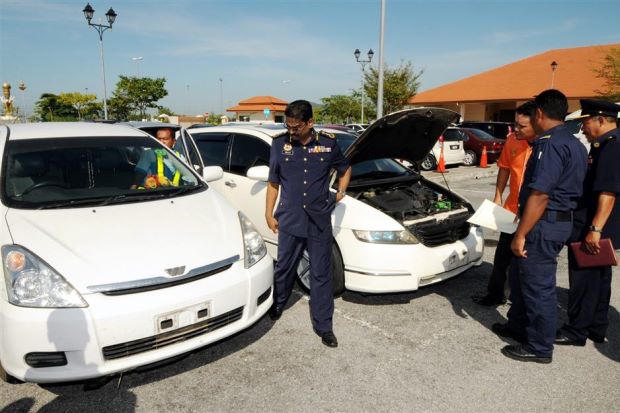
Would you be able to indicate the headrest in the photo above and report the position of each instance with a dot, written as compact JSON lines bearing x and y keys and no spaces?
{"x":28,"y":165}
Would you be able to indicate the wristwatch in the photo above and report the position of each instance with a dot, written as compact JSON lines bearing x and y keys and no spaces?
{"x":343,"y":193}
{"x":594,"y":228}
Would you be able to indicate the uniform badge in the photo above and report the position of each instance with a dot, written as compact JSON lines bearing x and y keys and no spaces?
{"x":287,"y":149}
{"x":596,"y":144}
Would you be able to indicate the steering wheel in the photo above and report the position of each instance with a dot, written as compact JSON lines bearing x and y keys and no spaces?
{"x":42,"y":185}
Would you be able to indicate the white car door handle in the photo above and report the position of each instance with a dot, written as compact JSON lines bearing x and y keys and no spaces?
{"x":231,"y":184}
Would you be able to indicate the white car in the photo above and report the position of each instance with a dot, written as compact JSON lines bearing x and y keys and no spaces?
{"x":101,"y":278}
{"x":357,"y":127}
{"x":394,"y":231}
{"x":453,"y":150}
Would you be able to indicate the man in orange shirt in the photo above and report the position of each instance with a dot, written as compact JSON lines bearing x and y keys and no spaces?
{"x":511,"y":165}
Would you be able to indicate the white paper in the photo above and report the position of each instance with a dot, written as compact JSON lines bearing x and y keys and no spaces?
{"x":492,"y":216}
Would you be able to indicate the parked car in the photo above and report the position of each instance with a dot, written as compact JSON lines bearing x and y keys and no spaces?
{"x":101,"y":278}
{"x":341,"y":128}
{"x":453,"y":150}
{"x":395,"y":231}
{"x":475,"y":140}
{"x":500,"y":130}
{"x":357,"y":127}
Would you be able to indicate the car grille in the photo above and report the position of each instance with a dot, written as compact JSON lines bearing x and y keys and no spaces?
{"x":433,"y":233}
{"x":142,"y":345}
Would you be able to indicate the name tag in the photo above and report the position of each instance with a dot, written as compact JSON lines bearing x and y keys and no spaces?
{"x":319,"y":149}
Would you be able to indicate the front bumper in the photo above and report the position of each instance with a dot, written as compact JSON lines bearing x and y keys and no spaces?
{"x":399,"y":268}
{"x":120,"y":333}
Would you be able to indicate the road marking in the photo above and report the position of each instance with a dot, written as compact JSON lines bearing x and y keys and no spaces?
{"x":473,"y":190}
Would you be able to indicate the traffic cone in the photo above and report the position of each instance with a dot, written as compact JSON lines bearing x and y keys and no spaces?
{"x":483,"y":158}
{"x":441,"y":165}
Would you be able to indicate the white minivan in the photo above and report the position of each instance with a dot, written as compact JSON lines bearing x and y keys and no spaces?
{"x":100,"y":278}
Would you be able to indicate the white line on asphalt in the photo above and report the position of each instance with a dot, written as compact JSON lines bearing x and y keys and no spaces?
{"x":473,"y":190}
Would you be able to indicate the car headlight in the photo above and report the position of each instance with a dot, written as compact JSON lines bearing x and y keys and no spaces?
{"x":30,"y":282}
{"x":253,"y":243}
{"x":386,"y":237}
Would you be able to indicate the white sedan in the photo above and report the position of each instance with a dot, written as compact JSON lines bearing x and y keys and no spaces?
{"x":395,"y":231}
{"x":102,"y":278}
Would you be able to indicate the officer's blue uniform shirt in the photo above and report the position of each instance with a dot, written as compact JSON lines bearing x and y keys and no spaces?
{"x":303,"y":174}
{"x":604,"y":176}
{"x":557,"y":167}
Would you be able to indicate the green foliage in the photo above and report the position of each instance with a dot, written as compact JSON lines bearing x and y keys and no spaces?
{"x":214,"y":119}
{"x":610,"y":73}
{"x":338,"y":109}
{"x":399,"y":84}
{"x":50,"y":108}
{"x":78,"y":100}
{"x":162,"y":110}
{"x":136,"y":94}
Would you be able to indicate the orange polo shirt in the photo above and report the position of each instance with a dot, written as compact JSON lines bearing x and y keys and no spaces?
{"x":514,"y":157}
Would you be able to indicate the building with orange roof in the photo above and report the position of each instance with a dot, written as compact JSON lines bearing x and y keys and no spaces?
{"x":260,"y":108}
{"x":495,"y":94}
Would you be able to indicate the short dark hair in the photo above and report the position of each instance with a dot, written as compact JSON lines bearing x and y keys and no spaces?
{"x":527,"y":109}
{"x":299,"y":109}
{"x":553,"y":103}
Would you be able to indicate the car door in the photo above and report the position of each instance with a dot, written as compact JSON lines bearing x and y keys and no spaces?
{"x":186,"y":146}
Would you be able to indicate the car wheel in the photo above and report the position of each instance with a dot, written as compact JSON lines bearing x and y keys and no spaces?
{"x":470,"y":158}
{"x":303,"y":271}
{"x":429,"y":163}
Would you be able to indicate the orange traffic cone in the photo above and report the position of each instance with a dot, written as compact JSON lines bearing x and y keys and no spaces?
{"x":441,"y":165}
{"x":483,"y":158}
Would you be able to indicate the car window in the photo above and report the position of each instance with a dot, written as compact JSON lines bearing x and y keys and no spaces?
{"x":482,"y":135}
{"x":192,"y":153}
{"x":248,"y":151}
{"x":213,"y":147}
{"x":70,"y":172}
{"x":452,"y":135}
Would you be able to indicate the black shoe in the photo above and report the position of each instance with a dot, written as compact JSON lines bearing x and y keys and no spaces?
{"x":562,"y":339}
{"x":275,"y":312}
{"x":597,"y":338}
{"x":504,"y":331}
{"x":519,"y":353}
{"x":488,"y":300}
{"x":329,"y":339}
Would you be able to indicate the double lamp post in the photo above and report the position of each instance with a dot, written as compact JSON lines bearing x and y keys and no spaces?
{"x":363,"y":63}
{"x":100,"y":28}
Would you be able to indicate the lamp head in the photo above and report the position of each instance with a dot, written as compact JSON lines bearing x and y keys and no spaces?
{"x":370,"y":54}
{"x":88,"y":12}
{"x":357,"y":54}
{"x":111,"y":15}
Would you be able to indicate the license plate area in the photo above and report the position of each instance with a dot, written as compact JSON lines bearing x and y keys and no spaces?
{"x":182,"y":318}
{"x":454,"y":146}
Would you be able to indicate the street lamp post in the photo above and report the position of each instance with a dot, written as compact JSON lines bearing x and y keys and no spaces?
{"x":100,"y":28}
{"x":22,"y":86}
{"x":363,"y":63}
{"x":554,"y":65}
{"x":137,"y":60}
{"x":221,"y":96}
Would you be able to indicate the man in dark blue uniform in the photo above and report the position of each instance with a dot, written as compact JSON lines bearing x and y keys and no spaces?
{"x":597,"y":216}
{"x":551,"y":188}
{"x":300,"y":163}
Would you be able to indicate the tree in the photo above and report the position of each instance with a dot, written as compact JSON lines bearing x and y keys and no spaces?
{"x":137,"y":94}
{"x":610,"y":73}
{"x":399,"y":85}
{"x":78,"y":100}
{"x":214,"y":119}
{"x":339,"y":109}
{"x":49,"y":108}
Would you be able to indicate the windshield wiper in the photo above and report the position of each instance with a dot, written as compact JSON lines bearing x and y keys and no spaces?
{"x":376,"y":174}
{"x":181,"y":190}
{"x":71,"y":202}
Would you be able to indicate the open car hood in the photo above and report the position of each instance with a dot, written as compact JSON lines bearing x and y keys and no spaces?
{"x":408,"y":134}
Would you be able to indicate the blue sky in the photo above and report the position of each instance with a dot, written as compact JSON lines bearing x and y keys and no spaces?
{"x":286,"y":48}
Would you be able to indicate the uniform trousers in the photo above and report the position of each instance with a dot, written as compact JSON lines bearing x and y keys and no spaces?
{"x":290,"y":250}
{"x":588,"y":300}
{"x":533,"y":312}
{"x":501,"y":263}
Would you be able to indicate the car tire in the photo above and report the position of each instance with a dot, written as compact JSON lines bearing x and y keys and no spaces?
{"x":303,"y":271}
{"x":429,"y":163}
{"x":470,"y":158}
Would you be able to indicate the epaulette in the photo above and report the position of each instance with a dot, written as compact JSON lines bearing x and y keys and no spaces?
{"x":545,"y":137}
{"x":280,"y":134}
{"x":327,"y":134}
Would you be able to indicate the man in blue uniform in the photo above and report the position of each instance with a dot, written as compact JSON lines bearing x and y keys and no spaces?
{"x":551,"y":188}
{"x":300,"y":163}
{"x":597,"y":216}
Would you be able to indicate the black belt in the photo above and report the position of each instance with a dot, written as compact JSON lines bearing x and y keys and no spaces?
{"x":561,"y":216}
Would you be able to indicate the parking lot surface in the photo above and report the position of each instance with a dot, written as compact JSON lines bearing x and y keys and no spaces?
{"x":429,"y":350}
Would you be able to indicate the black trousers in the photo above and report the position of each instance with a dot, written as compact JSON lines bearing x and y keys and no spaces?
{"x":588,"y":300}
{"x":501,"y":264}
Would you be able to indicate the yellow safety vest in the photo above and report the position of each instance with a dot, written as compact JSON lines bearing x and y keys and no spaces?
{"x":160,"y":169}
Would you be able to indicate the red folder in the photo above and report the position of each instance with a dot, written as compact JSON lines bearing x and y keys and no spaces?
{"x":605,"y":257}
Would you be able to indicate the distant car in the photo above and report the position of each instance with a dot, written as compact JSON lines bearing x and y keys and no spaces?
{"x":500,"y":130}
{"x":357,"y":127}
{"x":101,"y":276}
{"x":394,"y":231}
{"x":341,"y":128}
{"x":475,"y":141}
{"x":453,"y":150}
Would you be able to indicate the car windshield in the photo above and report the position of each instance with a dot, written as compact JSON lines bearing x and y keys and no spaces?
{"x":482,"y":135}
{"x":72,"y":172}
{"x":372,"y":169}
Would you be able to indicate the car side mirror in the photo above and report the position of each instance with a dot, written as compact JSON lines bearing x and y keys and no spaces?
{"x":258,"y":173}
{"x":212,"y":173}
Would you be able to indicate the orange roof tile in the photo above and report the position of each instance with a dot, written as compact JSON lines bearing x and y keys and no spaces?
{"x":525,"y":78}
{"x":258,"y":103}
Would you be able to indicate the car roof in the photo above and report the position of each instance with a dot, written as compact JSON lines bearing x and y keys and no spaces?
{"x":66,"y":130}
{"x":271,"y":130}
